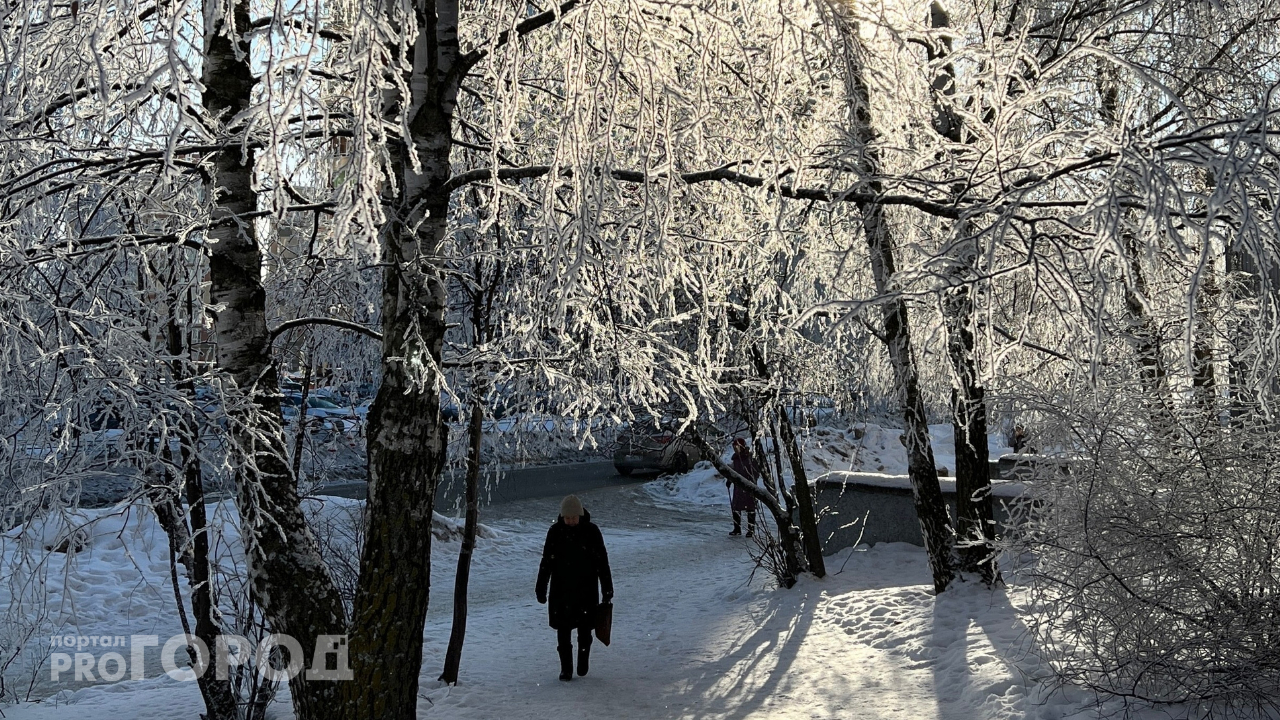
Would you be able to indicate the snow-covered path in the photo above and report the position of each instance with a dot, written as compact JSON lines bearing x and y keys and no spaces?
{"x":695,"y":635}
{"x":694,"y":638}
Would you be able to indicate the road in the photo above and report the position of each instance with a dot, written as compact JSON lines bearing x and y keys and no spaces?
{"x":516,"y":484}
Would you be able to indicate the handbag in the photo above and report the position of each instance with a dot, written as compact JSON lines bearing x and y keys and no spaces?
{"x":604,"y":622}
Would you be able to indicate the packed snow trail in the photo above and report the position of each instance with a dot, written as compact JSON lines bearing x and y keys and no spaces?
{"x":696,"y":635}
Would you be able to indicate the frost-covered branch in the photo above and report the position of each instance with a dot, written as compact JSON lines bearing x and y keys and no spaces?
{"x":723,"y":174}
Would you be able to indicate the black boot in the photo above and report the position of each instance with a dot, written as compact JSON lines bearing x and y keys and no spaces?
{"x":584,"y":656}
{"x":566,"y":662}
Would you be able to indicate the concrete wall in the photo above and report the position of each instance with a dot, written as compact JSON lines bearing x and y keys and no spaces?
{"x":844,"y":499}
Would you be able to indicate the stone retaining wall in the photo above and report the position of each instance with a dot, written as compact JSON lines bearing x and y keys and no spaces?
{"x":843,"y":500}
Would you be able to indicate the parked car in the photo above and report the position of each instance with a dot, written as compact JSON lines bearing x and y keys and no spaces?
{"x":660,"y":451}
{"x":343,"y":419}
{"x":448,"y":410}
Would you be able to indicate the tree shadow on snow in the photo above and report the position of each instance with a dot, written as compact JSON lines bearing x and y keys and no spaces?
{"x":749,"y":675}
{"x":973,"y":678}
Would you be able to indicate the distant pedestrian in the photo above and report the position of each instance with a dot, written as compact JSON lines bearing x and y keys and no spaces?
{"x":574,"y":563}
{"x":740,"y":500}
{"x":1018,"y":440}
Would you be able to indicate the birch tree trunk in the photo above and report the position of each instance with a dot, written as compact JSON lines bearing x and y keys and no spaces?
{"x":926,"y":491}
{"x":931,"y":508}
{"x":288,"y":577}
{"x":406,"y":442}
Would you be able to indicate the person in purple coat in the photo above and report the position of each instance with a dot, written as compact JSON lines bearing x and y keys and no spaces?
{"x":740,"y":500}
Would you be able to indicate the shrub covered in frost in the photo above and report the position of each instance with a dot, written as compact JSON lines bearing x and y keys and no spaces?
{"x":1157,"y":572}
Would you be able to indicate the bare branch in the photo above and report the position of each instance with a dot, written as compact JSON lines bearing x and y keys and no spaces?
{"x":524,"y":27}
{"x":333,"y":322}
{"x":722,"y":174}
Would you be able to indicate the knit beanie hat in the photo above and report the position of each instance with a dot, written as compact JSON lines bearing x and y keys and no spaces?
{"x":571,"y":506}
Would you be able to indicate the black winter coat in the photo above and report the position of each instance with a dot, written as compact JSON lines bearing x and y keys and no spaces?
{"x":574,"y":562}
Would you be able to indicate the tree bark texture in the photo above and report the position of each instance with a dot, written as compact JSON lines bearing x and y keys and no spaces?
{"x":804,"y":498}
{"x":926,"y":491}
{"x":1244,"y":289}
{"x":787,"y":496}
{"x":975,"y":519}
{"x":288,"y":577}
{"x":1208,"y":296}
{"x":482,"y":331}
{"x":458,"y":633}
{"x":406,"y":441}
{"x":780,"y":488}
{"x":218,"y":698}
{"x":975,"y":524}
{"x":935,"y":521}
{"x":1142,"y":327}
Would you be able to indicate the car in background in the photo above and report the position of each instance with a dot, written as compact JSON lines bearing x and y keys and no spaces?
{"x":449,"y":411}
{"x":660,"y":451}
{"x":342,"y":419}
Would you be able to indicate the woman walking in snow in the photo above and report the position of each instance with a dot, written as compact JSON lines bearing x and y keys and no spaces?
{"x":574,"y":563}
{"x":740,"y":500}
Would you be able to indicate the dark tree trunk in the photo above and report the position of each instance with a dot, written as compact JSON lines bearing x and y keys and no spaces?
{"x":482,"y":331}
{"x":407,"y":438}
{"x":453,"y":655}
{"x":779,"y":489}
{"x":975,"y":518}
{"x":1142,"y":328}
{"x":1146,"y":335}
{"x":931,"y":508}
{"x":300,"y":437}
{"x":787,"y":496}
{"x":1203,"y":377}
{"x":974,"y":521}
{"x":218,"y":698}
{"x":751,"y":415}
{"x":804,"y":498}
{"x":1245,"y":288}
{"x":288,"y":577}
{"x":766,"y":473}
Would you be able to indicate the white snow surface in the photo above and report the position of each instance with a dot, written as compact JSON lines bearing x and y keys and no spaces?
{"x":696,"y":633}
